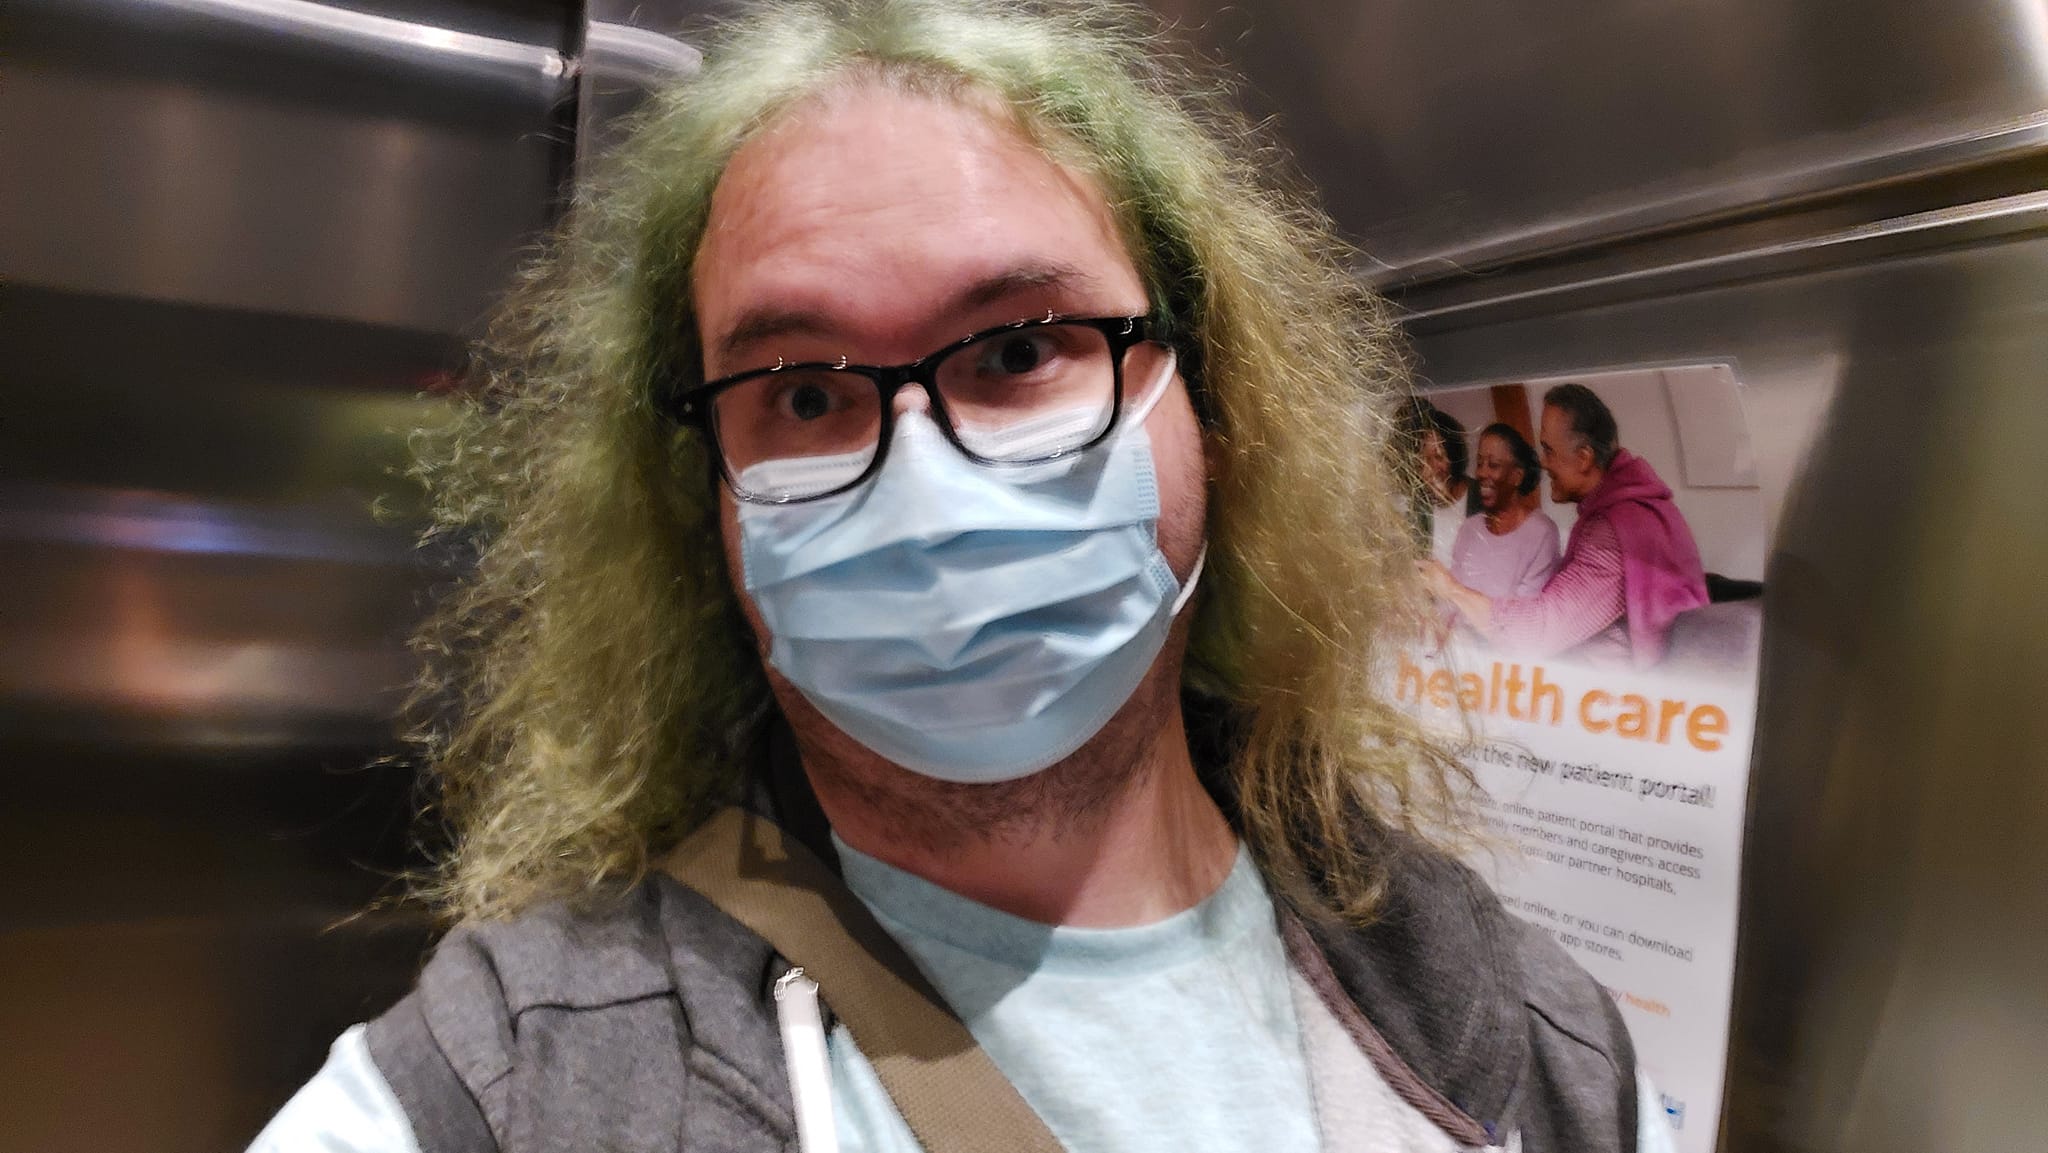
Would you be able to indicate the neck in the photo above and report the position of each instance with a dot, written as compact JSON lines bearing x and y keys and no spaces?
{"x":1594,"y":480}
{"x":1507,"y":519}
{"x":1154,"y":847}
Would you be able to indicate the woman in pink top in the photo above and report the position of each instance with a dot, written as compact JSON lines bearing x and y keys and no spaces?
{"x":1509,"y":549}
{"x":1630,"y":567}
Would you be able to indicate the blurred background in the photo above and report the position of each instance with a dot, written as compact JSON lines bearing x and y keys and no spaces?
{"x":243,"y":243}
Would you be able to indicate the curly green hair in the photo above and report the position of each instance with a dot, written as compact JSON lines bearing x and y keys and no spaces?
{"x":597,"y":690}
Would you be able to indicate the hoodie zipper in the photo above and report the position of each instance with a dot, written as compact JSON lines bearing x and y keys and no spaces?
{"x":803,"y":1050}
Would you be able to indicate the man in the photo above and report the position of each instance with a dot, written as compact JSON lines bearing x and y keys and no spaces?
{"x":1629,"y":568}
{"x":1510,"y":548}
{"x":934,"y":619}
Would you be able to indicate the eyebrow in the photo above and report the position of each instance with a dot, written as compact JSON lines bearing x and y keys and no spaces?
{"x":758,"y":325}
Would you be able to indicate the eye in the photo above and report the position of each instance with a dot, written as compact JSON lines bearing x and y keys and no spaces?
{"x":808,"y":402}
{"x":808,"y":399}
{"x":1018,"y":353}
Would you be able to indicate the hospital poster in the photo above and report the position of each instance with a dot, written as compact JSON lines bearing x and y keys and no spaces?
{"x":1612,"y":751}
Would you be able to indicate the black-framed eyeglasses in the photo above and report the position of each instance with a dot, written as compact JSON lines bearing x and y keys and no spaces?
{"x":1019,"y":393}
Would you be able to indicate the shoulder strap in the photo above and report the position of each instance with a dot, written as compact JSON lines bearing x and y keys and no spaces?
{"x":949,"y":1091}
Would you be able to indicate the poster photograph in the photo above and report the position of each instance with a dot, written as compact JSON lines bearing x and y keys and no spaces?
{"x":1593,"y":656}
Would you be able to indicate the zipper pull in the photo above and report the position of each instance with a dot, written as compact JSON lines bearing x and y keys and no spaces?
{"x":810,"y":1071}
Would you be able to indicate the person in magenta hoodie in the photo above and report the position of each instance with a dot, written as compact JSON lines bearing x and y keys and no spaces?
{"x":1630,"y":565}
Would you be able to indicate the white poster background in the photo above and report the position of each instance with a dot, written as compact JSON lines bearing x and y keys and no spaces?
{"x":1616,"y":802}
{"x":1625,"y":848}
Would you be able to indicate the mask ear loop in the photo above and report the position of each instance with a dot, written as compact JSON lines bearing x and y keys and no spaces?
{"x":1187,"y":587}
{"x":1136,"y":419}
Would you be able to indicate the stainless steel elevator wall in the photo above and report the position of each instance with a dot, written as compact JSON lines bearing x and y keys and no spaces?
{"x":1458,"y":134}
{"x":242,"y":246}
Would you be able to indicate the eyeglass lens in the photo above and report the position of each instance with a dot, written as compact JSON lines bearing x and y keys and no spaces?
{"x":1020,"y":395}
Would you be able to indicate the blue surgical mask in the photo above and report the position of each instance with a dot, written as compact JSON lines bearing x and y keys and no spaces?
{"x":971,"y":623}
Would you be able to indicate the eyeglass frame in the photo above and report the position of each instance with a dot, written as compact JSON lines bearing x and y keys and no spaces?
{"x":692,"y":407}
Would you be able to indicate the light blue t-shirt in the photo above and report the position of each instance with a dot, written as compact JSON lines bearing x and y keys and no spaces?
{"x":1176,"y":1035}
{"x":1187,"y":1034}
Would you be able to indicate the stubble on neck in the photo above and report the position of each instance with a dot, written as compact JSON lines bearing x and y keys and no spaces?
{"x":861,"y":790}
{"x":1120,"y":832}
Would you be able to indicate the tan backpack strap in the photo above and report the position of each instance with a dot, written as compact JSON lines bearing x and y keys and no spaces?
{"x":953,"y":1097}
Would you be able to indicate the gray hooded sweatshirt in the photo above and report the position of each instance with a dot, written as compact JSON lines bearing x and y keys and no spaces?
{"x":648,"y":1024}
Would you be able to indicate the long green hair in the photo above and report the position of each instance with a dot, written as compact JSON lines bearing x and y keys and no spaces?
{"x":594,"y":686}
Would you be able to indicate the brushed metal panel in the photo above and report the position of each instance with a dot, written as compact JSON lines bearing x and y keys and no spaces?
{"x":159,"y":190}
{"x":1449,"y":133}
{"x":629,"y":50}
{"x":186,"y":506}
{"x":1656,"y":268}
{"x":396,"y":44}
{"x":177,"y":939}
{"x":242,"y":238}
{"x":293,"y":166}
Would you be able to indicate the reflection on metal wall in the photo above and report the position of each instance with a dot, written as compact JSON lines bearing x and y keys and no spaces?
{"x":242,"y":239}
{"x":193,"y":153}
{"x":1898,"y":912}
{"x":1458,"y":133}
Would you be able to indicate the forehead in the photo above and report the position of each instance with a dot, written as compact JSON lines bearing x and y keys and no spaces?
{"x":871,"y":210}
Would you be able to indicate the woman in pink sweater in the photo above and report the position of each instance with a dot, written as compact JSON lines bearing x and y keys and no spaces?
{"x":1509,"y":549}
{"x":1630,"y":567}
